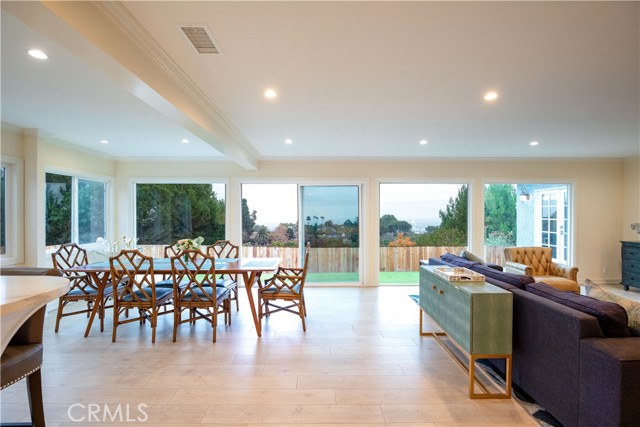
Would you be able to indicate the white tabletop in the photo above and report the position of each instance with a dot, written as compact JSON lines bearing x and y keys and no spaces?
{"x":21,"y":296}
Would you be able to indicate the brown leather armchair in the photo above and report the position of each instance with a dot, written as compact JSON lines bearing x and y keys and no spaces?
{"x":537,"y":262}
{"x":23,"y":356}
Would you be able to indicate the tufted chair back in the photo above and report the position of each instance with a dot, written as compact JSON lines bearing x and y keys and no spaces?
{"x":537,"y":257}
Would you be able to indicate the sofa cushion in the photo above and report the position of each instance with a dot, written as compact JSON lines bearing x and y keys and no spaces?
{"x":517,"y":280}
{"x":458,"y":261}
{"x":612,"y":318}
{"x":631,"y":307}
{"x":471,"y":257}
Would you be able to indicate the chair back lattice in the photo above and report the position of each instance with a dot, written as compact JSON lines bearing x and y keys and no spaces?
{"x":171,"y":251}
{"x":196,"y":277}
{"x":133,"y":271}
{"x":69,"y":255}
{"x":223,"y":249}
{"x":289,"y":280}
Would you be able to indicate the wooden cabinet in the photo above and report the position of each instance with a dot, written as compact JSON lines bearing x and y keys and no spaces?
{"x":630,"y":264}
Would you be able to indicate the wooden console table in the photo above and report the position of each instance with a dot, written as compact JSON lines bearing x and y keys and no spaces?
{"x":477,"y":316}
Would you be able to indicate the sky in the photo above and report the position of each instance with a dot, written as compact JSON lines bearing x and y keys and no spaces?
{"x":416,"y":203}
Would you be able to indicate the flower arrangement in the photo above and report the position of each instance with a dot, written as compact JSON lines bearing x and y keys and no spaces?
{"x":185,"y":244}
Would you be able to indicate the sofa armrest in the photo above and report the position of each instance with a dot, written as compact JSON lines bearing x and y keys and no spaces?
{"x":566,"y":271}
{"x":611,"y":364}
{"x":495,"y":266}
{"x":515,"y":267}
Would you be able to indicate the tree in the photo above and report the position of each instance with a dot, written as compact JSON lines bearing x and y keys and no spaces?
{"x":452,"y":230}
{"x":169,"y":212}
{"x":455,"y":214}
{"x":402,"y":241}
{"x":58,"y":208}
{"x":500,"y":218}
{"x":248,"y":220}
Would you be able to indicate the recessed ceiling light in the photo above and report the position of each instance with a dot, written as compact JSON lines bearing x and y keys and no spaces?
{"x":490,"y":96}
{"x":288,"y":141}
{"x":423,"y":142}
{"x":534,"y":143}
{"x":185,"y":141}
{"x":104,"y":141}
{"x":37,"y":53}
{"x":270,"y":93}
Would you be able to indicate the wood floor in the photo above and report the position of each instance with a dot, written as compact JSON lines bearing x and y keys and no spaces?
{"x":361,"y":362}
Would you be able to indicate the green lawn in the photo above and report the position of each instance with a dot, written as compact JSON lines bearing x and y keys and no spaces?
{"x":386,"y":278}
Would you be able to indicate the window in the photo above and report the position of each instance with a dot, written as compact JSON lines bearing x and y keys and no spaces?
{"x":270,"y":215}
{"x":75,"y":209}
{"x":527,"y":215}
{"x":331,"y":225}
{"x":11,"y":211}
{"x":166,"y":213}
{"x":326,"y":216}
{"x":419,"y":221}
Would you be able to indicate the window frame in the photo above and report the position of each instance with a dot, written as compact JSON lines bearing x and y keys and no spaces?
{"x":14,"y":210}
{"x":108,"y":204}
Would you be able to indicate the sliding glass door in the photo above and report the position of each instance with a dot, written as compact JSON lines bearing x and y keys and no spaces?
{"x":330,"y":217}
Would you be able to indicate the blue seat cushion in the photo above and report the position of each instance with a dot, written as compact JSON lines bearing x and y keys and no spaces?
{"x":220,"y":293}
{"x":285,"y":290}
{"x":160,"y":293}
{"x":226,"y":283}
{"x":168,"y":283}
{"x":79,"y":293}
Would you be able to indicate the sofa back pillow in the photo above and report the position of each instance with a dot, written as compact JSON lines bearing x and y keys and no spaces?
{"x":517,"y":280}
{"x":611,"y":316}
{"x":458,"y":261}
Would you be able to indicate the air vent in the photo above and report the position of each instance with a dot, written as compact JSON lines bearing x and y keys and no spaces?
{"x":201,"y":39}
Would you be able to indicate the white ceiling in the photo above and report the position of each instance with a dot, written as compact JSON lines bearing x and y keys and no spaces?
{"x":355,"y":79}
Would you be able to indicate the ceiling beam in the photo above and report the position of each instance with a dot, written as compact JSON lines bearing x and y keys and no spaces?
{"x":128,"y":54}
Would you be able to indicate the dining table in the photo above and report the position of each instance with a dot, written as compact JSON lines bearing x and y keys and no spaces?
{"x":250,"y":269}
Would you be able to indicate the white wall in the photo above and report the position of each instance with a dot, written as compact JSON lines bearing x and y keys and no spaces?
{"x":631,"y":198}
{"x":42,"y":154}
{"x":599,"y":188}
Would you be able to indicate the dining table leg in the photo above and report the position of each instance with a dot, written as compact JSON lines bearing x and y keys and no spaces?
{"x":101,"y":283}
{"x":249,"y":278}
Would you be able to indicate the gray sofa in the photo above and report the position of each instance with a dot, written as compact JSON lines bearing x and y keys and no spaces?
{"x":562,"y":359}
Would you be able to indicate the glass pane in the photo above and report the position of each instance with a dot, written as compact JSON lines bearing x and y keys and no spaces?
{"x":331,"y":224}
{"x":3,"y":221}
{"x":553,"y":239}
{"x":270,"y":218}
{"x":535,"y":217}
{"x":58,"y":209}
{"x":166,"y":213}
{"x":91,"y":210}
{"x":418,"y":221}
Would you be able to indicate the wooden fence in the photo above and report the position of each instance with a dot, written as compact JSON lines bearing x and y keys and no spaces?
{"x":345,"y":260}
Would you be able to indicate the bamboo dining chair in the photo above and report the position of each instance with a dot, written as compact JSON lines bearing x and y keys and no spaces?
{"x":226,"y":249}
{"x":81,"y":287}
{"x":167,"y":281}
{"x":137,"y":290}
{"x":287,"y":285}
{"x":196,"y":290}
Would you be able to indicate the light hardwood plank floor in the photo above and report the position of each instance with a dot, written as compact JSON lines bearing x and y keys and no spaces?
{"x":361,"y":362}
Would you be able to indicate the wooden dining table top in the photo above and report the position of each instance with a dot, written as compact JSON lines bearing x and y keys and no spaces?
{"x":223,"y":265}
